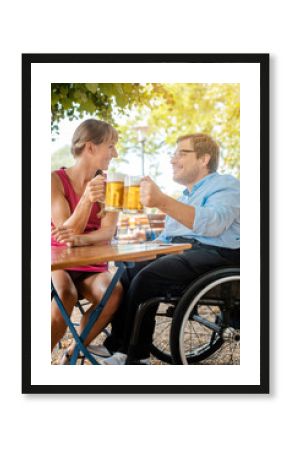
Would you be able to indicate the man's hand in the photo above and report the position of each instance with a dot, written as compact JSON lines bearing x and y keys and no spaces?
{"x":95,"y":190}
{"x":67,"y":236}
{"x":150,"y":194}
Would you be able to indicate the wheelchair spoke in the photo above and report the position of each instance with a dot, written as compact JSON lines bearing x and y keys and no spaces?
{"x":207,"y":330}
{"x":160,"y":347}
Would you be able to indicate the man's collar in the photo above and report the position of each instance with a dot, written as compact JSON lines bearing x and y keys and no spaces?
{"x":198,"y":184}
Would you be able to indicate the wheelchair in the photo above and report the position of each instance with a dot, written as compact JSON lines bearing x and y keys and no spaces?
{"x":202,"y":326}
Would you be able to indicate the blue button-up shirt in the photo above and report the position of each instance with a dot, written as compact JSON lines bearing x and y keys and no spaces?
{"x":216,"y":199}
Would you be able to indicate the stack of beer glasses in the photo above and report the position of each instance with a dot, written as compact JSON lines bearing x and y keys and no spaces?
{"x":123,"y":193}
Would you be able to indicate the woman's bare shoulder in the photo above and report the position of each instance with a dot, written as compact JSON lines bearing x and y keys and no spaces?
{"x":56,"y":183}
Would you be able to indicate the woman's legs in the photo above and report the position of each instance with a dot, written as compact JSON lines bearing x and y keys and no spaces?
{"x":69,"y":296}
{"x":93,"y":289}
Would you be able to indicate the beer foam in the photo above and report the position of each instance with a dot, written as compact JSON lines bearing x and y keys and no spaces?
{"x":115,"y":176}
{"x":132,"y":180}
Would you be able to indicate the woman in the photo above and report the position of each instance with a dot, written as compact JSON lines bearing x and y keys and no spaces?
{"x":77,"y":220}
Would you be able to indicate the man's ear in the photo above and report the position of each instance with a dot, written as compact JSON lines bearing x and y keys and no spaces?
{"x":205,"y":159}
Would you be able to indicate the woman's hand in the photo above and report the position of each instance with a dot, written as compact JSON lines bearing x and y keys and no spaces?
{"x":67,"y":236}
{"x":95,"y":190}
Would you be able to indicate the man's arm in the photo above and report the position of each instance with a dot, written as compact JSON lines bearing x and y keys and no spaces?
{"x":152,"y":196}
{"x":185,"y":214}
{"x":211,"y":219}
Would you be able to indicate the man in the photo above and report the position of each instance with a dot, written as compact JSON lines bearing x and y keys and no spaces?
{"x":207,"y":215}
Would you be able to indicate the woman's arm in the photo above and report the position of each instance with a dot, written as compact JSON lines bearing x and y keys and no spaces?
{"x":60,"y":211}
{"x":104,"y":233}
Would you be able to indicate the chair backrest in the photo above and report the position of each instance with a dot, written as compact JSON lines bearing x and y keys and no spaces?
{"x":156,"y":221}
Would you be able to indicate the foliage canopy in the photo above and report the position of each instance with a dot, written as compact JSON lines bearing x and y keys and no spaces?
{"x":103,"y":100}
{"x":169,"y":110}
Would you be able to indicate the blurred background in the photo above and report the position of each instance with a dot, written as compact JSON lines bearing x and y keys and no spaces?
{"x":149,"y":119}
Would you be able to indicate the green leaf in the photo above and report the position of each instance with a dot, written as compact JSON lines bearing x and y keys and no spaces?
{"x":121,"y":100}
{"x":107,"y":89}
{"x":89,"y":106}
{"x":92,"y":87}
{"x":118,"y":89}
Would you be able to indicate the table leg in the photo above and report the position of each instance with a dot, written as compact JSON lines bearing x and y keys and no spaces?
{"x":121,"y":267}
{"x":66,"y":317}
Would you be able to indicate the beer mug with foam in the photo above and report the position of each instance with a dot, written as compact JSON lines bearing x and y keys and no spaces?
{"x":114,"y":192}
{"x":132,"y":202}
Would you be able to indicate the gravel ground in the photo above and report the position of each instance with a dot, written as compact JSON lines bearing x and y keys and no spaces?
{"x":67,"y":340}
{"x":229,"y":354}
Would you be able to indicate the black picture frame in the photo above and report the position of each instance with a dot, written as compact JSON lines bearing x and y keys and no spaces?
{"x":263,"y":61}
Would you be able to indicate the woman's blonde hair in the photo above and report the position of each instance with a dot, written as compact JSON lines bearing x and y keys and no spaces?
{"x":92,"y":130}
{"x":96,"y":131}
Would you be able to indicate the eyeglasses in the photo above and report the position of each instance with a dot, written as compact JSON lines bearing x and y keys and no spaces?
{"x":180,"y":153}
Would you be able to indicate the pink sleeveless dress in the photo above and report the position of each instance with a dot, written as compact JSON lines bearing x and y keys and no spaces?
{"x":94,"y":223}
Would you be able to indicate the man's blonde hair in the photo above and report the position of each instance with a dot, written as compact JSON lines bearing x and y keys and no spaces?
{"x":204,"y":144}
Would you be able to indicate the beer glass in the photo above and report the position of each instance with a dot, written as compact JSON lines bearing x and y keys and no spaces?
{"x":114,"y":192}
{"x":132,"y":204}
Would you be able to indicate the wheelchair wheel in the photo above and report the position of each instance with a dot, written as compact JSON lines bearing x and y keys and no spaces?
{"x":203,"y":330}
{"x":161,"y":339}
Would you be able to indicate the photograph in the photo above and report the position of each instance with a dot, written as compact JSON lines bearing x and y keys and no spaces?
{"x":156,"y":169}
